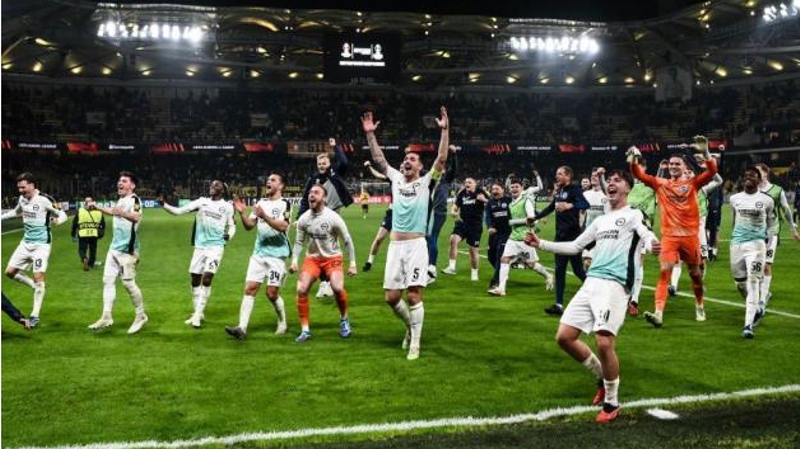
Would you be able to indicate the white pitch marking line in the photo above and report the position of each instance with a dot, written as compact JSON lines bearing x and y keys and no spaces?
{"x":12,"y":231}
{"x":406,"y":426}
{"x":705,"y":298}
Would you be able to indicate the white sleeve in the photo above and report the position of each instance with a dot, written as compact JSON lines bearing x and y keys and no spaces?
{"x":772,"y":218}
{"x":231,"y":229}
{"x":341,"y":229}
{"x":393,"y":174}
{"x":574,"y":247}
{"x":787,"y":210}
{"x":61,"y":217}
{"x":647,"y":236}
{"x":300,"y":238}
{"x":192,"y":206}
{"x":12,"y":213}
{"x":530,"y":211}
{"x":715,"y":182}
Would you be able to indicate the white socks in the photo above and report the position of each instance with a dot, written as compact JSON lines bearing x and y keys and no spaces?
{"x":401,"y":310}
{"x":38,"y":297}
{"x":22,"y":279}
{"x":592,"y":363}
{"x":474,"y":275}
{"x":504,"y":268}
{"x":280,"y":309}
{"x":676,"y":276}
{"x":371,"y":258}
{"x":205,"y":292}
{"x":417,"y":315}
{"x":753,"y":292}
{"x":537,"y":267}
{"x":245,"y":310}
{"x":765,"y":285}
{"x":452,"y":265}
{"x":109,"y":295}
{"x":612,"y":387}
{"x":136,"y":296}
{"x":197,"y":292}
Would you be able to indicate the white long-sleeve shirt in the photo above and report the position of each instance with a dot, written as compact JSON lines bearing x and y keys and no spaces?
{"x":323,"y":230}
{"x":618,"y":237}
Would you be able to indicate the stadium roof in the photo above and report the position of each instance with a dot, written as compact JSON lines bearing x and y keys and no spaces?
{"x":716,"y":41}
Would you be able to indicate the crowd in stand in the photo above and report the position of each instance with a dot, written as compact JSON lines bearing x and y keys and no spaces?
{"x":772,"y":111}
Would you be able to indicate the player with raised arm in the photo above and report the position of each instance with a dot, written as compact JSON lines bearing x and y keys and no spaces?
{"x":270,"y":218}
{"x":213,"y":228}
{"x":123,"y":253}
{"x":680,"y":216}
{"x":407,"y":261}
{"x":600,"y":304}
{"x":38,"y":211}
{"x":702,"y":204}
{"x":521,"y":214}
{"x":330,"y":175}
{"x":753,"y":219}
{"x":323,"y":228}
{"x":468,"y":211}
{"x":778,"y":196}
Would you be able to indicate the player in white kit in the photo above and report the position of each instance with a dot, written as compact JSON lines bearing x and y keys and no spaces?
{"x":602,"y":301}
{"x":753,"y":220}
{"x":123,"y":254}
{"x":598,"y":205}
{"x":38,"y":212}
{"x":407,"y":260}
{"x":270,"y":217}
{"x":213,"y":227}
{"x":323,"y":228}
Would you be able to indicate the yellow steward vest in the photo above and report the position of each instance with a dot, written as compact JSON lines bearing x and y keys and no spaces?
{"x":88,"y":222}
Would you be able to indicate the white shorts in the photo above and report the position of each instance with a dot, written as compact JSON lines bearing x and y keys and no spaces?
{"x":32,"y":256}
{"x":516,"y":249}
{"x":121,"y":264}
{"x":206,"y":260}
{"x":703,"y":239}
{"x":266,"y":270}
{"x":406,"y":264}
{"x":772,"y":248}
{"x":747,"y":258}
{"x":599,"y":305}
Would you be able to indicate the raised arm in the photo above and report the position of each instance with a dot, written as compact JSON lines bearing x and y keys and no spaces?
{"x":713,"y":185}
{"x":533,"y":190}
{"x":369,"y":126}
{"x":452,"y":167}
{"x":706,"y":176}
{"x":444,"y":141}
{"x":340,"y":163}
{"x":374,"y":172}
{"x":565,"y":248}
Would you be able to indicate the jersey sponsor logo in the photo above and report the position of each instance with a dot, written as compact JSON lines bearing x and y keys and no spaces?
{"x":411,"y":191}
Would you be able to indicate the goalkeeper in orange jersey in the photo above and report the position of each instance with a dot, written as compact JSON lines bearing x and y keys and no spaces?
{"x":680,"y":218}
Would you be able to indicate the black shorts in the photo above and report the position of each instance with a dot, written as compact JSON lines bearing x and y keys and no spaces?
{"x":365,"y":207}
{"x":470,"y":232}
{"x":387,"y":220}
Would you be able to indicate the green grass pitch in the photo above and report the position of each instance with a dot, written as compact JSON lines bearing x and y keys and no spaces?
{"x":481,"y":356}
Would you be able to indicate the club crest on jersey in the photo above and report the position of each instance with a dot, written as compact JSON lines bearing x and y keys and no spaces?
{"x":35,"y":207}
{"x":222,"y":210}
{"x":325,"y":226}
{"x":504,"y":205}
{"x":759,"y":205}
{"x":620,"y":221}
{"x":275,"y":213}
{"x":684,"y":189}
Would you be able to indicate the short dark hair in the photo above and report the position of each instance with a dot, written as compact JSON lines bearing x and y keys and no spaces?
{"x":130,"y":176}
{"x":498,"y":182}
{"x":624,"y":174}
{"x":516,"y":180}
{"x":27,"y":177}
{"x":280,"y":175}
{"x":679,"y":156}
{"x":764,"y":167}
{"x":755,"y":169}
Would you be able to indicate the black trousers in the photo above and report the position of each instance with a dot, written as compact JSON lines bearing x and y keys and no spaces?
{"x":497,"y":244}
{"x":88,"y":245}
{"x":10,"y":310}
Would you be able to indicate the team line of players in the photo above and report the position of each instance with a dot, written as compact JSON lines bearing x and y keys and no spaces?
{"x":617,"y":234}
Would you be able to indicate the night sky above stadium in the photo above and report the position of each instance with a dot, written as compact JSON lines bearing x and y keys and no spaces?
{"x":599,"y":10}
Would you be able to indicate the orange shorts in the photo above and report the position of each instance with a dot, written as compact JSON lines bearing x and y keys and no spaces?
{"x":685,"y":248}
{"x":317,"y":265}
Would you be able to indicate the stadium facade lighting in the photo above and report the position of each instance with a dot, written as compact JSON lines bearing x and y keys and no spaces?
{"x":106,"y":71}
{"x":775,"y":65}
{"x":544,"y":80}
{"x":416,"y":77}
{"x":474,"y":77}
{"x":603,"y":80}
{"x":37,"y":67}
{"x":569,"y":79}
{"x":629,"y":80}
{"x":7,"y":66}
{"x":721,"y":71}
{"x":781,"y":11}
{"x":255,"y":73}
{"x":565,"y":45}
{"x":747,"y":71}
{"x":189,"y":73}
{"x":147,"y":72}
{"x":511,"y":79}
{"x":152,"y":31}
{"x":294,"y":75}
{"x":320,"y":76}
